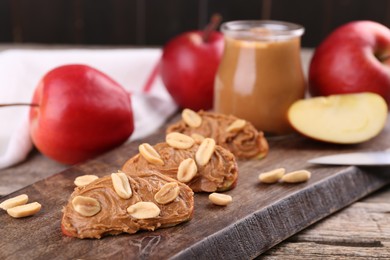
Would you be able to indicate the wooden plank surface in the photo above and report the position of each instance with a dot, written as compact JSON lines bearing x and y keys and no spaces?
{"x":360,"y":231}
{"x":260,"y":216}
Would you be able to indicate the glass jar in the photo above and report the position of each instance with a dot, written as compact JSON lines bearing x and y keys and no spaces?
{"x":260,"y":74}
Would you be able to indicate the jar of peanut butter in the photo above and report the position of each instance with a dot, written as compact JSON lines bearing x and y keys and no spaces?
{"x":260,"y":74}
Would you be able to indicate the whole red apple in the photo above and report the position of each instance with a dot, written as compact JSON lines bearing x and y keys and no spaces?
{"x":353,"y":58}
{"x":188,"y":67}
{"x":80,"y":113}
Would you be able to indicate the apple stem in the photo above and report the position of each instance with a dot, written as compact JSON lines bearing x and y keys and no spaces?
{"x":19,"y":104}
{"x":212,"y":26}
{"x":152,"y":77}
{"x":384,"y":58}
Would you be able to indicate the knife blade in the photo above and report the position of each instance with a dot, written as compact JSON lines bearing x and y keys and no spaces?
{"x":381,"y":158}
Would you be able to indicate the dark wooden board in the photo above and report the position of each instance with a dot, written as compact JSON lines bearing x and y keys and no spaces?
{"x":359,"y":231}
{"x":260,"y":216}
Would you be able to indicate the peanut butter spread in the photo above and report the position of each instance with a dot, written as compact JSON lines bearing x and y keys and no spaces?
{"x":244,"y":143}
{"x":219,"y":174}
{"x":113,"y":215}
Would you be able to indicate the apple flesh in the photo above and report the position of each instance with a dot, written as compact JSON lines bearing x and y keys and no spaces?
{"x":188,"y":68}
{"x":353,"y":58}
{"x":81,"y":113}
{"x":342,"y":119}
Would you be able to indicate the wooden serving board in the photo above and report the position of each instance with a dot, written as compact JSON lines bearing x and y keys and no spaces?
{"x":260,"y":216}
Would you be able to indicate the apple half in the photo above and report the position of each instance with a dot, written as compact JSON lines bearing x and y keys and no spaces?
{"x":342,"y":119}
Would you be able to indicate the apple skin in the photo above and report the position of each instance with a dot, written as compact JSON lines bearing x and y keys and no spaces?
{"x":81,"y":114}
{"x":188,"y":68}
{"x":65,"y":232}
{"x":353,"y":58}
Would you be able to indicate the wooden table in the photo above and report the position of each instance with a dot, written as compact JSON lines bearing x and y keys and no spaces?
{"x":361,"y":230}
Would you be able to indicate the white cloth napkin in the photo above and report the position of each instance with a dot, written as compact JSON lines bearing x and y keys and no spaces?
{"x":21,"y":70}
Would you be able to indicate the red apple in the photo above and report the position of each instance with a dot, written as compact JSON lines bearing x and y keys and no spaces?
{"x":354,"y":58}
{"x":188,"y":67}
{"x":80,"y":113}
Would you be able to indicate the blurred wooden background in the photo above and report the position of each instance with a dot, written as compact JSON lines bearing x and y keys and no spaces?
{"x":154,"y":22}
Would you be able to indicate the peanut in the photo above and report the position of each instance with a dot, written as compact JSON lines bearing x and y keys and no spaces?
{"x":121,"y":184}
{"x":24,"y":210}
{"x":150,"y":154}
{"x":198,"y":138}
{"x":296,"y":176}
{"x":86,"y":206}
{"x":84,"y":180}
{"x":179,"y":141}
{"x":143,"y":210}
{"x":271,"y":176}
{"x":13,"y":202}
{"x":220,"y":199}
{"x":205,"y":151}
{"x":191,"y":118}
{"x":167,"y":193}
{"x":236,"y":126}
{"x":187,"y":170}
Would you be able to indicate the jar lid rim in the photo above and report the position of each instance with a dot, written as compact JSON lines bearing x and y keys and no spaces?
{"x":275,"y":29}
